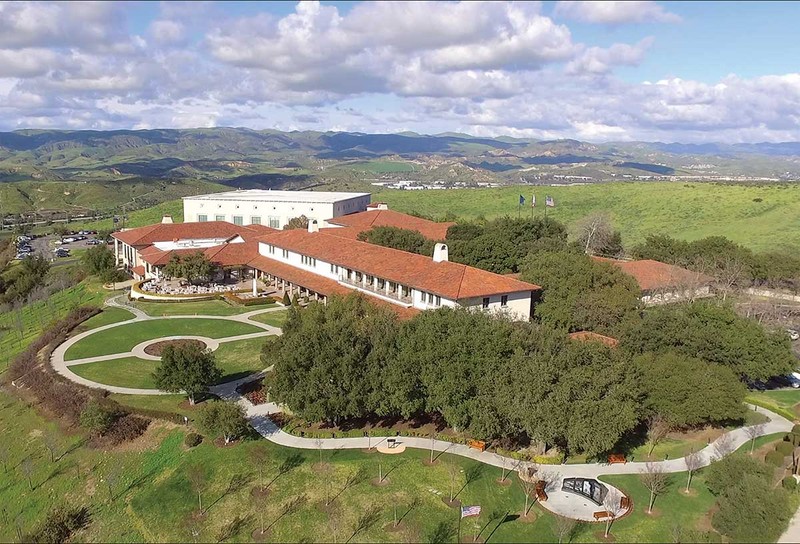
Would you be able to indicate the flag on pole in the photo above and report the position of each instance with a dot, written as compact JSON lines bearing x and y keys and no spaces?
{"x":550,"y":202}
{"x":533,"y":201}
{"x":521,"y":200}
{"x":467,"y":511}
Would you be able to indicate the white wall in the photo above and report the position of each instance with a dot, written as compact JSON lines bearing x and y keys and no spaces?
{"x":517,"y":307}
{"x":280,"y":212}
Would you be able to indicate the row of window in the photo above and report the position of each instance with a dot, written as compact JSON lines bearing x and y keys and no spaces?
{"x":503,"y":301}
{"x":432,"y":300}
{"x":274,"y":222}
{"x":309,"y":261}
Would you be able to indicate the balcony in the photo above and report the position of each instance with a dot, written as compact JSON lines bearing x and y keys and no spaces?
{"x":397,"y":296}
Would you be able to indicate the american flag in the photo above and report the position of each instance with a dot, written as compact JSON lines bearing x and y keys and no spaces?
{"x":467,"y":511}
{"x":550,"y":202}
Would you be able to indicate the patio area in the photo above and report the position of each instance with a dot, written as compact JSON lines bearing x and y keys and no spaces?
{"x":183,"y":287}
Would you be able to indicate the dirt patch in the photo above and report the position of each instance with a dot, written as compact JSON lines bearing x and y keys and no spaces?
{"x":392,"y":528}
{"x":704,"y":523}
{"x":379,"y":483}
{"x":504,"y":483}
{"x":150,"y":440}
{"x":260,"y":491}
{"x":429,"y":463}
{"x":220,"y":443}
{"x":35,"y":433}
{"x":691,"y":493}
{"x":157,"y":348}
{"x":600,"y":537}
{"x":530,"y":518}
{"x":455,"y":503}
{"x":656,"y":513}
{"x":321,"y":467}
{"x":258,"y":536}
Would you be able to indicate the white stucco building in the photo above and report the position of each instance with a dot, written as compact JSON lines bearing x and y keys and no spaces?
{"x":271,"y":208}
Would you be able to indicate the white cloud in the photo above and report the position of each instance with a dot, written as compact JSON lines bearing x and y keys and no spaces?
{"x":614,"y":13}
{"x":599,"y":60}
{"x":166,"y":31}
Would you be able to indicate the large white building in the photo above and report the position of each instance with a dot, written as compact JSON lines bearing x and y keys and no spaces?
{"x":271,"y":208}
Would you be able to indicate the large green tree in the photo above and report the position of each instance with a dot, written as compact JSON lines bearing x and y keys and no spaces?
{"x":579,"y":293}
{"x":688,"y":392}
{"x":225,"y":419}
{"x":397,"y":238}
{"x":752,"y":510}
{"x":195,"y":267}
{"x":188,"y":368}
{"x":713,"y":332}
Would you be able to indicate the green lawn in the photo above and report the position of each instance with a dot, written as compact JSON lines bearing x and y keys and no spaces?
{"x":276,"y":319}
{"x":206,"y":307}
{"x":123,"y":338}
{"x":108,"y":316}
{"x":236,"y":359}
{"x":127,"y":372}
{"x":683,"y":210}
{"x":783,"y":402}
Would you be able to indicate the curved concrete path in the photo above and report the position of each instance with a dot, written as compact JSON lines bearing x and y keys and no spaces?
{"x":62,"y":366}
{"x":257,"y":414}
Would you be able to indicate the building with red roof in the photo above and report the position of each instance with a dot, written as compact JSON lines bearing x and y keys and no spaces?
{"x":379,"y":215}
{"x":661,"y":282}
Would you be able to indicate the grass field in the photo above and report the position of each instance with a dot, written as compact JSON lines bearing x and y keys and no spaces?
{"x":276,"y":319}
{"x":784,"y":402}
{"x":235,"y":359}
{"x":381,"y":167}
{"x":151,"y":499}
{"x":108,"y":316}
{"x":688,"y":211}
{"x":20,"y":327}
{"x":123,"y":338}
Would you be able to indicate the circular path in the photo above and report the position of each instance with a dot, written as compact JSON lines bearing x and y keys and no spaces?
{"x":63,"y":367}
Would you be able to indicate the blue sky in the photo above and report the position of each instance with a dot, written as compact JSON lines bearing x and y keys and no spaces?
{"x":598,"y":71}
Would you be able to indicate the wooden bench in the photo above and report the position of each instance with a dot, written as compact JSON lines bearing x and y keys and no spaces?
{"x":601,"y":515}
{"x":616,"y":458}
{"x":541,"y":494}
{"x":625,"y":503}
{"x":479,"y":445}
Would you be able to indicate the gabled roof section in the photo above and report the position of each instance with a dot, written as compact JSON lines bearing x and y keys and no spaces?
{"x":451,"y":280}
{"x":651,"y":275}
{"x":390,"y":218}
{"x":165,"y":232}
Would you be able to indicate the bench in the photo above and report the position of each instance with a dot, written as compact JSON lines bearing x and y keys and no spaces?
{"x":479,"y":445}
{"x":601,"y":515}
{"x":616,"y":458}
{"x":625,"y":503}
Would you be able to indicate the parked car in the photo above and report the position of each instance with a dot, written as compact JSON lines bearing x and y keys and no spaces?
{"x":794,"y":379}
{"x":93,"y":242}
{"x":757,"y":385}
{"x":793,"y":334}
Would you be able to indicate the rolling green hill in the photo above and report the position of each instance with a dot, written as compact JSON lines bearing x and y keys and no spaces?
{"x":760,"y":217}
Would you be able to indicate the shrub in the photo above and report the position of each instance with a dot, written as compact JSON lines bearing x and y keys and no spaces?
{"x":796,"y":429}
{"x":752,"y":511}
{"x":125,"y":428}
{"x":789,"y":483}
{"x":785,"y":448}
{"x":775,"y":458}
{"x":192,"y":440}
{"x":788,"y":437}
{"x":59,"y":525}
{"x":287,"y":301}
{"x":725,"y":474}
{"x":96,"y":418}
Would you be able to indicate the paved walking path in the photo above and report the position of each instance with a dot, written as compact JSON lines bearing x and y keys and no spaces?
{"x":257,"y":414}
{"x":62,"y":366}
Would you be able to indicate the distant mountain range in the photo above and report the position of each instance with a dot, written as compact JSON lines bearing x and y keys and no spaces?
{"x":131,"y":163}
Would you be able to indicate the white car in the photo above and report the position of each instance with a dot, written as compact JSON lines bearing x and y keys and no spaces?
{"x":793,"y":334}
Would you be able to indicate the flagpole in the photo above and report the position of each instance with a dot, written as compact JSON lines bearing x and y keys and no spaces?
{"x":459,"y":524}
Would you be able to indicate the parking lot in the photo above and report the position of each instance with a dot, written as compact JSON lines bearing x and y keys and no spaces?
{"x":48,"y":246}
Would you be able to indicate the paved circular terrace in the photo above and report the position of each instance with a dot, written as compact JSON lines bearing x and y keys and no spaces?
{"x":575,"y":506}
{"x":62,"y":366}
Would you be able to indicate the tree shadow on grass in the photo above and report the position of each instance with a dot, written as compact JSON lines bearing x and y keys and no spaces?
{"x":472,"y":473}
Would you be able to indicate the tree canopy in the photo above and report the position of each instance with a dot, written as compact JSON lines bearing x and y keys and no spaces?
{"x":196,"y":267}
{"x":296,"y":223}
{"x":579,"y":293}
{"x":713,"y":332}
{"x":188,"y":368}
{"x":397,"y":238}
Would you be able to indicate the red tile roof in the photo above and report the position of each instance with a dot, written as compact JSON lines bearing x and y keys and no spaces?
{"x":652,"y":275}
{"x":228,"y":254}
{"x":138,"y":270}
{"x":588,"y":336}
{"x":319,"y":284}
{"x":390,"y":218}
{"x":166,"y":232}
{"x":448,"y":279}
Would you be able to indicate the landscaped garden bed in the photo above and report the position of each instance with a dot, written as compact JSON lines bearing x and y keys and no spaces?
{"x":157,"y":348}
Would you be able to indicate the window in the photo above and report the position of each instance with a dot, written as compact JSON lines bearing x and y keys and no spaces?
{"x":285,"y":253}
{"x":255,"y":220}
{"x":392,"y":287}
{"x":202,"y":218}
{"x":438,"y":300}
{"x":406,"y":291}
{"x":308,"y":261}
{"x":381,"y":284}
{"x":334,"y":269}
{"x":219,"y":218}
{"x":370,"y":280}
{"x":485,"y":302}
{"x":430,"y":298}
{"x":271,"y":250}
{"x":274,"y":222}
{"x":238,"y":220}
{"x":504,"y":301}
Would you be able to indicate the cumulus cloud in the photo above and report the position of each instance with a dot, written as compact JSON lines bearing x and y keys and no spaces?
{"x":614,"y":13}
{"x":484,"y":68}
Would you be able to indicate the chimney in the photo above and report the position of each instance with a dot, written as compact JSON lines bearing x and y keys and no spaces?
{"x":313,"y":226}
{"x":440,"y":253}
{"x":167,"y":219}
